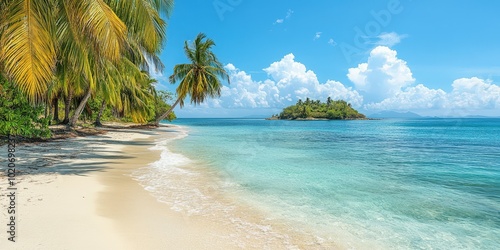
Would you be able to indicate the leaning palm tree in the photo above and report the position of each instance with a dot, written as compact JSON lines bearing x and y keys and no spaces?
{"x":200,"y":78}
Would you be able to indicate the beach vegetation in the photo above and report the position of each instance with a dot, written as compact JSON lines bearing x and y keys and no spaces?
{"x":18,"y":116}
{"x":161,"y":106}
{"x":84,"y":59}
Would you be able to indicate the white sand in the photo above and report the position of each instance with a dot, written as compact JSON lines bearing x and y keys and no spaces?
{"x":82,"y":196}
{"x":57,"y":202}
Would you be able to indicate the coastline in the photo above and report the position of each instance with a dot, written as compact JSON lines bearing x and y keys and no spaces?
{"x":58,"y":193}
{"x":85,"y":193}
{"x":79,"y":193}
{"x":274,"y":118}
{"x":198,"y":193}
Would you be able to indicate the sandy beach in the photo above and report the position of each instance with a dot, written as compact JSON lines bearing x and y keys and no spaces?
{"x":79,"y":193}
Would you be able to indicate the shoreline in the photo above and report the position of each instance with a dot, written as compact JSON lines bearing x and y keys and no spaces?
{"x":138,"y":216}
{"x":79,"y":193}
{"x":84,"y":193}
{"x":199,"y":192}
{"x":58,"y":190}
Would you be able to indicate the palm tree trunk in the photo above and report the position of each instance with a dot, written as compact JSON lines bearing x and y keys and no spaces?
{"x":157,"y":122}
{"x":47,"y":109}
{"x":98,"y":118}
{"x":79,"y":109}
{"x":67,"y":106}
{"x":56,"y":109}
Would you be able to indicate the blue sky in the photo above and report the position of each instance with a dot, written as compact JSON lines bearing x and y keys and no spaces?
{"x":429,"y":57}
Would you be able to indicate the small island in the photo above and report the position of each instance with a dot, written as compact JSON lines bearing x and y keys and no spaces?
{"x":317,"y":110}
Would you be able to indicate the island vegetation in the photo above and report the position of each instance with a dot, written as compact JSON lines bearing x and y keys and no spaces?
{"x":315,"y":109}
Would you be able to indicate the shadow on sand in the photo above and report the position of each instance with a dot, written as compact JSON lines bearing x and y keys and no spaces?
{"x":75,"y":156}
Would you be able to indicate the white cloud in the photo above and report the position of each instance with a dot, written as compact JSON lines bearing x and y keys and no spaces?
{"x":230,"y":67}
{"x":382,"y":76}
{"x":247,"y":93}
{"x":412,"y":98}
{"x":474,"y":93}
{"x":289,"y":81}
{"x":468,"y":96}
{"x":289,"y":13}
{"x":279,"y":21}
{"x":317,"y":35}
{"x":389,"y":39}
{"x":287,"y":69}
{"x":385,"y":81}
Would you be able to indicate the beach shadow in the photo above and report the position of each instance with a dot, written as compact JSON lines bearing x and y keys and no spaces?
{"x":74,"y":156}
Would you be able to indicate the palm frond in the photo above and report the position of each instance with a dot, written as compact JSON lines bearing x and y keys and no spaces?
{"x":96,"y":20}
{"x":27,"y":46}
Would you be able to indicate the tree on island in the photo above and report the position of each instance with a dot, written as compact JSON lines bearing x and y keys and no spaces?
{"x":315,"y":109}
{"x":200,"y":78}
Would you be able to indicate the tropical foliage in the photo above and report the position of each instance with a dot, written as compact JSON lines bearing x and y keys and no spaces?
{"x":18,"y":116}
{"x":72,"y":52}
{"x":333,"y":110}
{"x":201,"y":77}
{"x":161,"y":106}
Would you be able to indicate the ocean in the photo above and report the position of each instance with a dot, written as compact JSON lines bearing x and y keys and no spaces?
{"x":367,"y":184}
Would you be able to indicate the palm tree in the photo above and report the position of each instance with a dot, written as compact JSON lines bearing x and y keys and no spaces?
{"x":200,"y":78}
{"x":42,"y":40}
{"x":146,"y":35}
{"x":31,"y":33}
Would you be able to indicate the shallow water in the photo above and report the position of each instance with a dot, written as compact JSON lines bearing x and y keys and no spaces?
{"x":405,"y":184}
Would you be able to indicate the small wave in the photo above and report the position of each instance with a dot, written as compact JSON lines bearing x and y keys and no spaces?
{"x":189,"y":187}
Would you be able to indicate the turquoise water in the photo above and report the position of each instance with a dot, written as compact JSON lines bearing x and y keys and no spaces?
{"x":400,"y":184}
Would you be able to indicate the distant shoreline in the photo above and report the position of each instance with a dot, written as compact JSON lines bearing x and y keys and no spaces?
{"x":320,"y":119}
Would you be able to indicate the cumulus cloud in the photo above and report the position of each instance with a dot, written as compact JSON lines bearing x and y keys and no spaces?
{"x":296,"y":81}
{"x":247,"y":93}
{"x":382,"y":76}
{"x":468,"y":95}
{"x":230,"y":67}
{"x":412,"y":98}
{"x":474,"y":93}
{"x":288,"y":82}
{"x":384,"y":82}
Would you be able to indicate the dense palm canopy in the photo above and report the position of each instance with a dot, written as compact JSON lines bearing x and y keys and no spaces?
{"x":201,"y":77}
{"x":81,"y":48}
{"x":34,"y":35}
